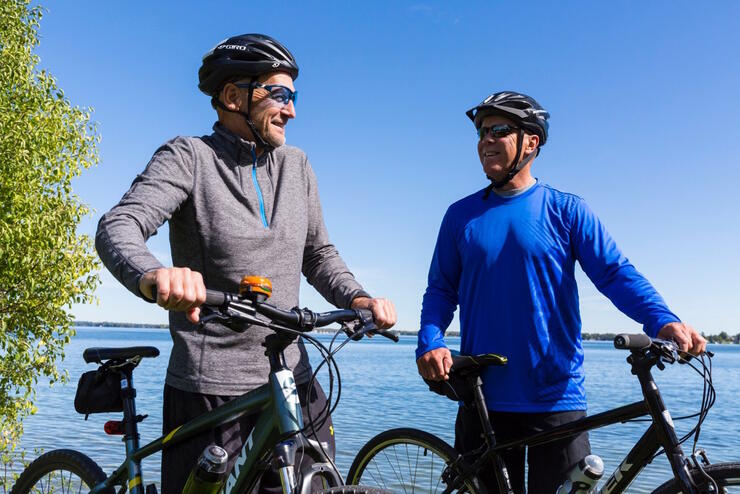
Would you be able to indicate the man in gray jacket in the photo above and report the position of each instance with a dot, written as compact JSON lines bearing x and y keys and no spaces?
{"x":238,"y":202}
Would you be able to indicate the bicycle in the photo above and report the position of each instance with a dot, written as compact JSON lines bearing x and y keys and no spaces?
{"x":411,"y":460}
{"x":278,"y":437}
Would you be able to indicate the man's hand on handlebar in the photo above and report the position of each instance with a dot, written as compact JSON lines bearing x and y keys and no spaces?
{"x":384,"y":312}
{"x":178,"y":289}
{"x":687,"y":338}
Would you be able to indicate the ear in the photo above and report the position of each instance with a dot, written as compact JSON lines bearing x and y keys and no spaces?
{"x":533,"y":140}
{"x":231,"y":97}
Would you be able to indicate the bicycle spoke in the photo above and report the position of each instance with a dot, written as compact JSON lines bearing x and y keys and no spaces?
{"x":396,"y":472}
{"x":380,"y":483}
{"x":60,"y":482}
{"x":416,"y":464}
{"x":408,"y":462}
{"x":413,"y":467}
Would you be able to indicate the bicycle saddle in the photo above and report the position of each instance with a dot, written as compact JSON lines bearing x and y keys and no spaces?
{"x":466,"y":364}
{"x":99,"y":354}
{"x":459,"y":387}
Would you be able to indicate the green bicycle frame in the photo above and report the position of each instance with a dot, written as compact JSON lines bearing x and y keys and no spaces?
{"x":279,"y":418}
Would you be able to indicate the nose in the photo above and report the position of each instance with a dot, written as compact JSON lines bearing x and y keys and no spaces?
{"x":487,"y":139}
{"x":289,"y":109}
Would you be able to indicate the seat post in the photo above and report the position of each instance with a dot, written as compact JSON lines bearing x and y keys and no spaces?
{"x":480,"y":406}
{"x":130,"y":422}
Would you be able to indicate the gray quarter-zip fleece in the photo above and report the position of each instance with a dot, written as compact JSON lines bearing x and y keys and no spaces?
{"x":205,"y":188}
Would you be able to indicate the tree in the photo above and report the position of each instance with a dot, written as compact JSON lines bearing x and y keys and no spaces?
{"x":45,"y":266}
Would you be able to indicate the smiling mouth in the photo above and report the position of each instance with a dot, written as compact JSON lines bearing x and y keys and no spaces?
{"x":489,"y":154}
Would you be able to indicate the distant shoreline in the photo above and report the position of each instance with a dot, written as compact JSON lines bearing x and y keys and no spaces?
{"x":108,"y":324}
{"x":721,"y":338}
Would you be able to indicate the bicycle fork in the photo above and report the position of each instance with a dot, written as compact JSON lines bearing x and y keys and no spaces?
{"x":283,"y":460}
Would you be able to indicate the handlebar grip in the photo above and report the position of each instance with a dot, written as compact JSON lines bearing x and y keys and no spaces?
{"x":366,"y":314}
{"x":214,"y":297}
{"x":638,"y":341}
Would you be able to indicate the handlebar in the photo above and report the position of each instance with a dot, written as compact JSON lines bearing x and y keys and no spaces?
{"x":640,"y":342}
{"x":298,"y":319}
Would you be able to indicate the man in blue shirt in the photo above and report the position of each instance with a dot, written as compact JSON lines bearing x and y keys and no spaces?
{"x":506,"y":256}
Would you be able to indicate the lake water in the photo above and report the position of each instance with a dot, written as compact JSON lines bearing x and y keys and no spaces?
{"x":381,"y":390}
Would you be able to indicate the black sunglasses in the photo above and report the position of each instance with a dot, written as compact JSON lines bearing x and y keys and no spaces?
{"x":497,"y":131}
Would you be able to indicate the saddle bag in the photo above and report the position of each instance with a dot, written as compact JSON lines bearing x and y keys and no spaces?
{"x":99,"y":391}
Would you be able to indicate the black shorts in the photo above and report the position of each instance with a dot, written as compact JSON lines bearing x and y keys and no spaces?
{"x":182,"y":406}
{"x":548,"y":463}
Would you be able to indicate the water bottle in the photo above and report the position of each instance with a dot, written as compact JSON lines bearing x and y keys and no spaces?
{"x":209,"y":473}
{"x":582,"y":479}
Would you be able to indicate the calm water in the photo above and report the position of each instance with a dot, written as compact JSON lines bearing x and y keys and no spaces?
{"x":381,"y":390}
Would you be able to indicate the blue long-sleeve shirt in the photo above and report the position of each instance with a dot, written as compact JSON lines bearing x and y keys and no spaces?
{"x":508,"y":263}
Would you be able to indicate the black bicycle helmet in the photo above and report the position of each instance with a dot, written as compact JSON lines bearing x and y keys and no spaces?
{"x":246,"y":55}
{"x":526,"y":113}
{"x":520,"y":108}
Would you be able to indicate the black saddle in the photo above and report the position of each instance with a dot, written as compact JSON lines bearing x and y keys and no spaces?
{"x":463,"y":375}
{"x":468,"y":364}
{"x":99,"y":355}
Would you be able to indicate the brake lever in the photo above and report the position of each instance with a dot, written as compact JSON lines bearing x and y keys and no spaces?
{"x":391,"y":336}
{"x":367,"y":329}
{"x":351,"y":332}
{"x":228,"y":318}
{"x":667,"y":351}
{"x":211,"y":315}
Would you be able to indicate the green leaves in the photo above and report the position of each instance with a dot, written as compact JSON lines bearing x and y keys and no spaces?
{"x":45,"y":266}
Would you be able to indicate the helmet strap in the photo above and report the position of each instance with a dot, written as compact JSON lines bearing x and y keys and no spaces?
{"x":258,"y":140}
{"x":516,"y":165}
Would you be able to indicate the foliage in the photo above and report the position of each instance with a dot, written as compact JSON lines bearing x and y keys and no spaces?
{"x":45,"y":266}
{"x":722,"y":337}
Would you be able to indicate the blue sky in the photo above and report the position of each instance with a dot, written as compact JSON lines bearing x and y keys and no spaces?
{"x":644,"y":98}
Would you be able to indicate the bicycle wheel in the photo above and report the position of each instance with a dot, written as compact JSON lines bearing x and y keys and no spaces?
{"x":355,"y":489}
{"x":726,"y":475}
{"x":59,"y":471}
{"x":409,"y":460}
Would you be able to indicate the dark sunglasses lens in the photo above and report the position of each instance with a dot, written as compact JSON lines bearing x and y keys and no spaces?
{"x":497,"y":131}
{"x":282,"y":95}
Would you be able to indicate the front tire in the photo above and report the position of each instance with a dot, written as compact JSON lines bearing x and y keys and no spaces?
{"x":726,"y":475}
{"x":355,"y":489}
{"x":59,"y":471}
{"x":409,"y":460}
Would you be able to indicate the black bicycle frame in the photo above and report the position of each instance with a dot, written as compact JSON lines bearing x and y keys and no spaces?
{"x":660,"y":433}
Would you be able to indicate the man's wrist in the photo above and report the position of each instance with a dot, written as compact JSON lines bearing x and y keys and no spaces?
{"x":360,"y":302}
{"x":145,"y":287}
